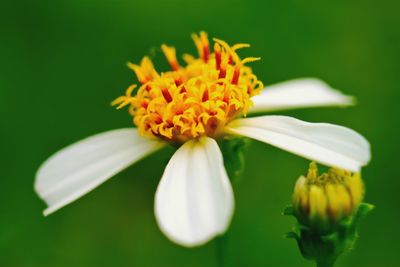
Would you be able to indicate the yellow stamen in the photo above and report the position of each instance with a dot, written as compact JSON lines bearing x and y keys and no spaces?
{"x":170,"y":54}
{"x":249,"y":59}
{"x":195,"y":100}
{"x":198,"y":44}
{"x":229,"y":50}
{"x":138,"y":71}
{"x":188,"y":58}
{"x":239,"y":46}
{"x":145,"y":71}
{"x":122,"y":101}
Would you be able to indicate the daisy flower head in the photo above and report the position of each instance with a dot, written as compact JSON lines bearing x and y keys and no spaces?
{"x":192,"y":106}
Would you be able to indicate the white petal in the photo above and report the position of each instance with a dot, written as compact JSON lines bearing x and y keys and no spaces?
{"x":299,"y":93}
{"x":80,"y":167}
{"x":326,"y":143}
{"x":194,"y":200}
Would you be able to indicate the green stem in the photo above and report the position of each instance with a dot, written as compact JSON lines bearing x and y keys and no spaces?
{"x":224,"y":258}
{"x":233,"y":152}
{"x":326,"y":262}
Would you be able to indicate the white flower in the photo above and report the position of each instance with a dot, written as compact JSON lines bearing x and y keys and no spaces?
{"x":194,"y":201}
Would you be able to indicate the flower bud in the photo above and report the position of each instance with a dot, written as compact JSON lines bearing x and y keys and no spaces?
{"x":322,"y":201}
{"x":328,"y":209}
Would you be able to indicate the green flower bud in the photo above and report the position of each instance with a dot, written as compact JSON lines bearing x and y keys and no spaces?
{"x":322,"y":201}
{"x":327,"y":208}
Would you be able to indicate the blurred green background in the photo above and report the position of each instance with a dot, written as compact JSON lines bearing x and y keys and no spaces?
{"x":62,"y":62}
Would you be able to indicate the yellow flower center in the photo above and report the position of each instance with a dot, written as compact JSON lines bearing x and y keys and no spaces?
{"x":195,"y":100}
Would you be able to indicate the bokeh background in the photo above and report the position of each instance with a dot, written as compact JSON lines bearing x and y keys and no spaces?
{"x":62,"y":62}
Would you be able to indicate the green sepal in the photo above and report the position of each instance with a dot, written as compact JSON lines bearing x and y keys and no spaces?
{"x":325,"y":247}
{"x":233,"y":149}
{"x":363,"y":210}
{"x":292,"y":235}
{"x":289,"y":210}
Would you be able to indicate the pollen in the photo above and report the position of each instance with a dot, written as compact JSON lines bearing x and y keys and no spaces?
{"x":194,"y":99}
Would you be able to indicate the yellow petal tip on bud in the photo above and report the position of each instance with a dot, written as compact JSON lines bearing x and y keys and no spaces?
{"x":312,"y":172}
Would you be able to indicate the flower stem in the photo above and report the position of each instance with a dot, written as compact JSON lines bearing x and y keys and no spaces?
{"x":224,"y":258}
{"x":326,"y":262}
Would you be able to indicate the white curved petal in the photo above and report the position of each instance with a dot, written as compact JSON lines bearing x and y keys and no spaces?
{"x":326,"y":143}
{"x":194,"y":200}
{"x":80,"y":167}
{"x":298,"y":93}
